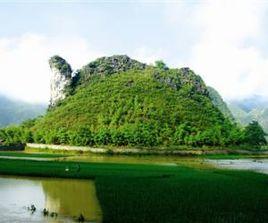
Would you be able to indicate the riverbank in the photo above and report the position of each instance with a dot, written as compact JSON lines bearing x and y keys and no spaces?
{"x":183,"y":151}
{"x":131,"y":193}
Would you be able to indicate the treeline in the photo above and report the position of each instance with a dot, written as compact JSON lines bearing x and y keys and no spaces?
{"x":138,"y":135}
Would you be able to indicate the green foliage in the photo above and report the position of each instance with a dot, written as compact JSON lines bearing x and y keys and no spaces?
{"x":254,"y":134}
{"x":161,"y":65}
{"x":135,"y":108}
{"x":14,"y":135}
{"x":219,"y":103}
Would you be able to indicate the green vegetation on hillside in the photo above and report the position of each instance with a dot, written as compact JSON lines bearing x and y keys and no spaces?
{"x":131,"y":193}
{"x":134,"y":108}
{"x":122,"y":102}
{"x":220,"y":104}
{"x":254,"y":134}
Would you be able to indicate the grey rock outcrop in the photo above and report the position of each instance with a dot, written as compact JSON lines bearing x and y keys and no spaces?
{"x":105,"y":66}
{"x":65,"y":82}
{"x":61,"y":79}
{"x":177,"y":78}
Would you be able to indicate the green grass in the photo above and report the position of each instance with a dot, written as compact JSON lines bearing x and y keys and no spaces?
{"x":233,"y":156}
{"x":151,"y":193}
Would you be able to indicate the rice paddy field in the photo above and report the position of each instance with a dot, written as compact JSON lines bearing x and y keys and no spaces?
{"x":149,"y":192}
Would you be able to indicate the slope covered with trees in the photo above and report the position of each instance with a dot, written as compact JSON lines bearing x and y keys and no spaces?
{"x":220,"y":103}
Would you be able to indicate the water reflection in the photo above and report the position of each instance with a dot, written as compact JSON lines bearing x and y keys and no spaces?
{"x":72,"y":198}
{"x":69,"y":198}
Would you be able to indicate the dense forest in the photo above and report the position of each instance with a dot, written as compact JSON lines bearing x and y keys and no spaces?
{"x":121,"y":102}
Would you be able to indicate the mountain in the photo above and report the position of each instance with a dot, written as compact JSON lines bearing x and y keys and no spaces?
{"x":251,"y":103}
{"x":220,"y":104}
{"x":120,"y":101}
{"x":249,"y":109}
{"x":15,"y":111}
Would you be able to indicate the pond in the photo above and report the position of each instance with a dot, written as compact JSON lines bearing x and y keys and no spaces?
{"x":67,"y":197}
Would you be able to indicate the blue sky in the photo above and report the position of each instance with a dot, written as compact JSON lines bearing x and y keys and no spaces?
{"x":223,"y":41}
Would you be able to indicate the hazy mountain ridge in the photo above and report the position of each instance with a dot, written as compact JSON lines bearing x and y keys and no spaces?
{"x":243,"y":111}
{"x":249,"y":109}
{"x":15,"y":111}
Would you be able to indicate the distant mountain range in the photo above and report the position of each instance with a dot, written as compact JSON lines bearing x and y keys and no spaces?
{"x":15,"y":111}
{"x":249,"y":109}
{"x":243,"y":111}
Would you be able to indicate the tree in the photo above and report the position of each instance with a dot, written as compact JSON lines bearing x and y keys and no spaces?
{"x":254,"y":134}
{"x":161,"y":65}
{"x":81,"y":137}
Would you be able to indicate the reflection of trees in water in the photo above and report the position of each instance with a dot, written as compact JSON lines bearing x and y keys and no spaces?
{"x":72,"y":198}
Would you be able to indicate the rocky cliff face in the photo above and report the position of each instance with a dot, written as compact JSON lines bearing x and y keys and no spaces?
{"x":61,"y":78}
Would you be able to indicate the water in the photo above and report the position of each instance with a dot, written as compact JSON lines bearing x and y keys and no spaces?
{"x":67,"y":197}
{"x":257,"y":165}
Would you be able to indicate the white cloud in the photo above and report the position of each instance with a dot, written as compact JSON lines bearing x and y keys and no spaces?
{"x":222,"y":50}
{"x":24,"y":70}
{"x":222,"y":55}
{"x":148,"y":55}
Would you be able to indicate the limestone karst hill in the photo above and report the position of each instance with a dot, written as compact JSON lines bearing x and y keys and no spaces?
{"x":120,"y":101}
